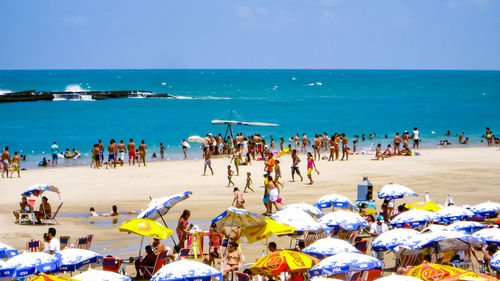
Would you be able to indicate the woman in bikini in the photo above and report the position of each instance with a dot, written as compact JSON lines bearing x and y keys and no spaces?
{"x":310,"y":166}
{"x":233,"y":259}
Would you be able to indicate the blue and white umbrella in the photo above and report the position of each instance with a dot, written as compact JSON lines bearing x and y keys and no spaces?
{"x":495,"y":261}
{"x":344,"y":219}
{"x":7,"y":251}
{"x":6,"y":270}
{"x":238,"y":218}
{"x":298,"y":219}
{"x":466,"y":226}
{"x":413,"y":217}
{"x":310,"y":209}
{"x":186,"y":270}
{"x":29,"y":263}
{"x":160,"y":206}
{"x":328,"y":247}
{"x":452,"y":213}
{"x":448,"y":240}
{"x":393,"y":238}
{"x":335,"y":201}
{"x":395,"y":191}
{"x":73,"y":259}
{"x":41,"y":188}
{"x":100,"y":275}
{"x":488,"y":235}
{"x":344,"y":263}
{"x":489,"y":209}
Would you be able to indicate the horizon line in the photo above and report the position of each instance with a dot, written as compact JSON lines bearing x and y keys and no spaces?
{"x":384,"y":69}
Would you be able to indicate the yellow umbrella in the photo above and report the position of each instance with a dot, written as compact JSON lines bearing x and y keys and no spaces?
{"x":426,"y":206}
{"x":256,"y":233}
{"x":283,"y":261}
{"x":43,"y":277}
{"x":432,"y":271}
{"x":146,"y":227}
{"x":470,"y":276}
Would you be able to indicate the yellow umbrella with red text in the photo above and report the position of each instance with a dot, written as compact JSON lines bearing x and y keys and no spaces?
{"x":432,"y":271}
{"x":43,"y":277}
{"x":271,"y":227}
{"x":277,"y":262}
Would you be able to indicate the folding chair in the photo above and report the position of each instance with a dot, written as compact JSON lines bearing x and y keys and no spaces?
{"x":64,"y":240}
{"x":183,"y":254}
{"x":362,"y":246}
{"x":355,"y":276}
{"x":242,"y":276}
{"x":110,"y":264}
{"x":82,"y":243}
{"x":90,"y":237}
{"x":160,"y":261}
{"x":33,"y":245}
{"x":52,"y":219}
{"x":374,"y":274}
{"x":310,"y":238}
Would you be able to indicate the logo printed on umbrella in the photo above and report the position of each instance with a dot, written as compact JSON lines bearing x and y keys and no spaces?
{"x":434,"y":274}
{"x":297,"y":260}
{"x":274,"y":262}
{"x":144,"y":226}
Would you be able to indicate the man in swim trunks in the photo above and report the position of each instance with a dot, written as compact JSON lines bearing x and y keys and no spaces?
{"x":345,"y":151}
{"x":206,"y":156}
{"x":5,"y":161}
{"x":131,"y":151}
{"x":317,"y":144}
{"x":111,"y":154}
{"x":101,"y":151}
{"x":121,"y":152}
{"x":142,"y":153}
{"x":54,"y":149}
{"x":96,"y":156}
{"x":397,"y":141}
{"x":295,"y":165}
{"x":15,"y":165}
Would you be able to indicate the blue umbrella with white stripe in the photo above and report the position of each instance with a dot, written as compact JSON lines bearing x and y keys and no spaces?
{"x":393,"y":238}
{"x":452,"y":213}
{"x":413,"y":217}
{"x":100,"y":275}
{"x":7,"y":251}
{"x":466,"y":226}
{"x":448,"y":240}
{"x":310,"y":209}
{"x":29,"y":263}
{"x":74,"y":259}
{"x":488,"y":235}
{"x":495,"y":261}
{"x":489,"y":209}
{"x":6,"y":270}
{"x":344,"y":263}
{"x":334,"y":201}
{"x":298,"y":219}
{"x":40,"y":188}
{"x":395,"y":191}
{"x":344,"y":219}
{"x":186,"y":270}
{"x":328,"y":247}
{"x":160,"y":206}
{"x":238,"y":218}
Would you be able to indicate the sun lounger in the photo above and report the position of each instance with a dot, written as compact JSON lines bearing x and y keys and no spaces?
{"x":64,"y":240}
{"x":33,"y":245}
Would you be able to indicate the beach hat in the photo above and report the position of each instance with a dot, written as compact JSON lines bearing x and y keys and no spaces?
{"x":380,"y":218}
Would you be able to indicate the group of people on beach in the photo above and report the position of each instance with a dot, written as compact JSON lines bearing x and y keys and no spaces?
{"x":9,"y":165}
{"x":117,"y":152}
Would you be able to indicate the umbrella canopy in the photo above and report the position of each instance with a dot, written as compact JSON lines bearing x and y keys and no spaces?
{"x":6,"y":270}
{"x":466,"y":226}
{"x":196,"y":139}
{"x":310,"y":209}
{"x":393,"y":238}
{"x":160,"y":206}
{"x":146,"y":227}
{"x":395,"y":277}
{"x":186,"y":270}
{"x":73,"y":259}
{"x":495,"y":261}
{"x":238,"y":218}
{"x":328,"y":247}
{"x":344,"y":219}
{"x":100,"y":275}
{"x":488,"y":235}
{"x":448,"y":240}
{"x":41,"y":188}
{"x":256,"y":233}
{"x":277,"y":262}
{"x":395,"y":191}
{"x":298,"y":219}
{"x":43,"y":277}
{"x":317,"y":278}
{"x":344,"y":263}
{"x":486,"y":209}
{"x":335,"y":201}
{"x":431,"y":271}
{"x":28,"y":263}
{"x":424,"y":205}
{"x":452,"y":213}
{"x":7,"y":251}
{"x":469,"y":276}
{"x":413,"y":218}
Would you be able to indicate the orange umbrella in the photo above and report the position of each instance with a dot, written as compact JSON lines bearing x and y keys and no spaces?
{"x":470,"y":276}
{"x":432,"y":272}
{"x":277,"y":262}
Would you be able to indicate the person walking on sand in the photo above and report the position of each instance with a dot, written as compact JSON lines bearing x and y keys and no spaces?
{"x":54,"y":149}
{"x":15,"y":165}
{"x":230,"y":174}
{"x":142,"y":153}
{"x":131,"y":151}
{"x":238,"y":200}
{"x":208,"y":163}
{"x":249,"y":183}
{"x":5,"y":161}
{"x":269,"y":164}
{"x":185,"y":146}
{"x":274,"y":194}
{"x":277,"y":172}
{"x":295,"y":165}
{"x":345,"y":150}
{"x":101,"y":152}
{"x":310,"y":166}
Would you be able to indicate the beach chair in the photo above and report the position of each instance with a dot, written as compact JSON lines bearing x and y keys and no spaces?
{"x":447,"y":256}
{"x":64,"y":240}
{"x":242,"y":276}
{"x":374,"y":274}
{"x":33,"y":245}
{"x":355,"y":276}
{"x":310,"y":238}
{"x":110,"y":264}
{"x":82,"y":243}
{"x":362,"y":246}
{"x":90,"y":237}
{"x":183,"y":254}
{"x":160,"y":261}
{"x":52,"y":219}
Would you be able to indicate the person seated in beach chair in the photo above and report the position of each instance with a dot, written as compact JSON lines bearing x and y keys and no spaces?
{"x":24,"y":208}
{"x":233,"y":259}
{"x":45,"y":210}
{"x":149,"y":260}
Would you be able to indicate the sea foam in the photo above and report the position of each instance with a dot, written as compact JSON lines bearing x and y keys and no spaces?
{"x":3,"y":92}
{"x":74,"y":88}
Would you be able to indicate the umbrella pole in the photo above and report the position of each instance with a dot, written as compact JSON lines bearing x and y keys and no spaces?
{"x":140,"y":248}
{"x":166,"y":226}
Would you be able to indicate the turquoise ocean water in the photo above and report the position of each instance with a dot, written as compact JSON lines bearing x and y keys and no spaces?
{"x":310,"y":101}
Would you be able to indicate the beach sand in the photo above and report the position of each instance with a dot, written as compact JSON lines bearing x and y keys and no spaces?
{"x":469,"y":174}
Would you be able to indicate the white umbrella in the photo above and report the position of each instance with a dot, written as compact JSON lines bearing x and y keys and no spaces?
{"x":495,"y":261}
{"x":7,"y":251}
{"x":488,"y":235}
{"x":393,"y":238}
{"x":73,"y":259}
{"x":41,"y":188}
{"x":196,"y":139}
{"x":298,"y":219}
{"x":29,"y":263}
{"x":329,"y":247}
{"x":344,"y":219}
{"x":413,"y":217}
{"x":160,"y":206}
{"x":187,"y":270}
{"x":435,"y":228}
{"x":466,"y":226}
{"x":310,"y":209}
{"x":238,"y":218}
{"x":100,"y":275}
{"x":395,"y":191}
{"x":6,"y":270}
{"x":486,"y":209}
{"x":335,"y":201}
{"x":395,"y":277}
{"x":452,"y":213}
{"x":448,"y":240}
{"x":344,"y":263}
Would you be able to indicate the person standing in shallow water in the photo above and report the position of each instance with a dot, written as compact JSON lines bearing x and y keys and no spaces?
{"x":131,"y":152}
{"x":162,"y":151}
{"x":345,"y":151}
{"x":142,"y":153}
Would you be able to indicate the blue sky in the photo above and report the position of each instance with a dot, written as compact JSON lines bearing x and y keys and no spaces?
{"x":374,"y":34}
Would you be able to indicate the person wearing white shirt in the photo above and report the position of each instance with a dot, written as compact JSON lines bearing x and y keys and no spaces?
{"x":375,"y":230}
{"x":55,"y":244}
{"x":415,"y":138}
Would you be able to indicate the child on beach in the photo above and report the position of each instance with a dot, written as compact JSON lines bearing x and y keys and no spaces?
{"x":277,"y":172}
{"x":310,"y":166}
{"x":230,"y":174}
{"x":238,"y":200}
{"x":249,"y":183}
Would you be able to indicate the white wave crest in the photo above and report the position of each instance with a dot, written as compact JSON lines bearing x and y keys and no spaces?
{"x":202,"y":98}
{"x":74,"y":88}
{"x":3,"y":92}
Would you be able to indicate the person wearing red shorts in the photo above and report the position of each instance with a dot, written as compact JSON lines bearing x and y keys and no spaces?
{"x":131,"y":151}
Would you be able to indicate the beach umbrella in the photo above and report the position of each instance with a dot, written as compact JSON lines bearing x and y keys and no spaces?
{"x":235,"y":217}
{"x":393,"y":238}
{"x":344,"y":219}
{"x":395,"y":277}
{"x":73,"y":259}
{"x":146,"y":227}
{"x":6,"y":270}
{"x":196,"y":139}
{"x":100,"y":275}
{"x":489,"y":209}
{"x":186,"y":144}
{"x":432,"y":271}
{"x":298,"y":219}
{"x":335,"y":201}
{"x":43,"y":277}
{"x":488,"y":235}
{"x":318,"y":278}
{"x":7,"y":251}
{"x":277,"y":262}
{"x":448,"y":240}
{"x":452,"y":213}
{"x":344,"y":263}
{"x":395,"y":191}
{"x":413,"y":218}
{"x":328,"y":247}
{"x":41,"y":188}
{"x":469,"y":276}
{"x":31,"y":262}
{"x":310,"y":209}
{"x":495,"y":261}
{"x":424,"y":205}
{"x":186,"y":270}
{"x":271,"y":227}
{"x":466,"y":226}
{"x":158,"y":207}
{"x":434,"y":228}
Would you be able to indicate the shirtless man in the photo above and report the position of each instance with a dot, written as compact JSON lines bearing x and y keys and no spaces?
{"x":397,"y":141}
{"x":131,"y":151}
{"x":101,"y":151}
{"x":317,"y":144}
{"x":238,"y":200}
{"x":5,"y":161}
{"x":96,"y":154}
{"x":111,"y":154}
{"x":121,"y":152}
{"x":207,"y":156}
{"x":15,"y":165}
{"x":389,"y":151}
{"x":304,"y":143}
{"x":345,"y":151}
{"x":142,"y":153}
